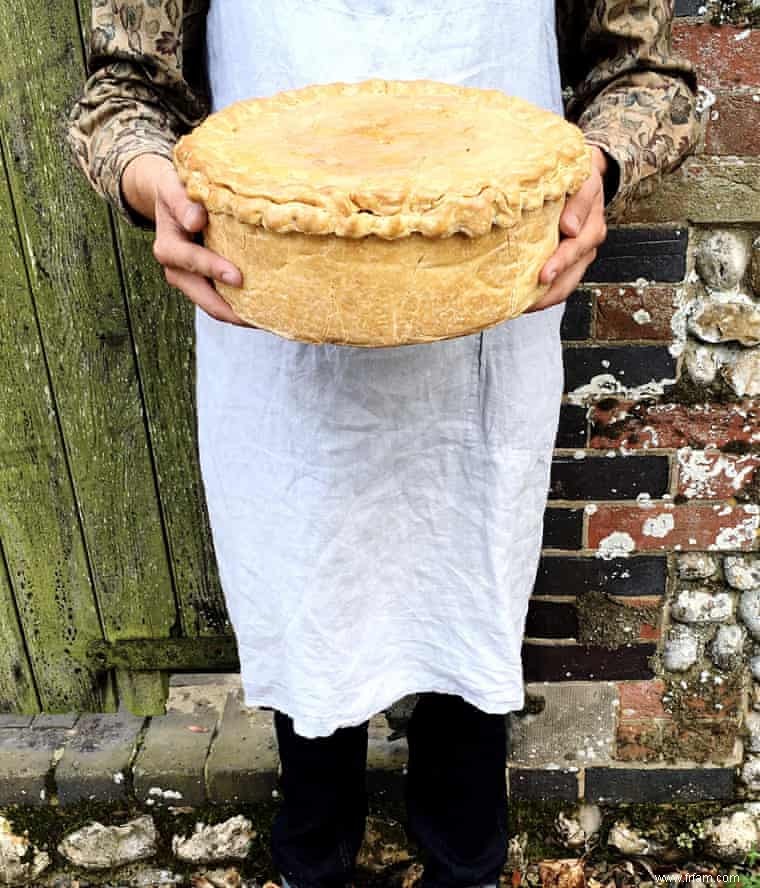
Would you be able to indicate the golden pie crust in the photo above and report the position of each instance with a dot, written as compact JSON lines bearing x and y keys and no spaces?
{"x":384,"y":212}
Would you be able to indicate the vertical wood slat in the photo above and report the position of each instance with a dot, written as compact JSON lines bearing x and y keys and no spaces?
{"x":17,"y":690}
{"x":79,"y":300}
{"x":163,"y":330}
{"x":39,"y":527}
{"x":164,"y":337}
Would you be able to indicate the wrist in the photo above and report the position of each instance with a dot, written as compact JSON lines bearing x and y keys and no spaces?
{"x":139,"y":182}
{"x":609,"y":170}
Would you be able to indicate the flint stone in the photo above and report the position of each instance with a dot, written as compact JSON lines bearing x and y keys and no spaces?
{"x":727,"y":646}
{"x":17,"y":867}
{"x":697,"y":566}
{"x":749,"y":611}
{"x":96,"y":846}
{"x":726,"y":321}
{"x":743,"y":375}
{"x":701,"y":606}
{"x":750,"y":773}
{"x":681,"y":649}
{"x":730,"y":838}
{"x":742,"y":572}
{"x":218,"y":842}
{"x":721,"y":260}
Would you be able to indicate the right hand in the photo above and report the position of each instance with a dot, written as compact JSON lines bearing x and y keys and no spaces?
{"x":151,"y":187}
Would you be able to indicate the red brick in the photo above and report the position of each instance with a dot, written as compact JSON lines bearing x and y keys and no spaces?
{"x":699,"y":740}
{"x":733,"y":124}
{"x":638,"y":741}
{"x":720,"y":58}
{"x":694,"y":527}
{"x":648,"y":424}
{"x":708,"y":699}
{"x":649,"y":632}
{"x":641,"y":699}
{"x":710,"y":474}
{"x":616,"y":306}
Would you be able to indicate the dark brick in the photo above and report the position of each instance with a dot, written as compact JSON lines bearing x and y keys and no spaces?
{"x":689,"y":7}
{"x":658,"y":784}
{"x":632,"y":364}
{"x":563,"y":528}
{"x":576,"y":321}
{"x":604,"y":477}
{"x":573,"y":426}
{"x":657,"y":254}
{"x":534,"y":783}
{"x":551,"y":619}
{"x":643,"y":575}
{"x":576,"y":662}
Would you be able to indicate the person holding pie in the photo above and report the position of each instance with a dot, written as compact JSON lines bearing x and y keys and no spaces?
{"x":377,"y":512}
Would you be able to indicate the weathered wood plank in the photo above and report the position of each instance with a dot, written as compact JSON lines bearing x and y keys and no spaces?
{"x":75,"y":281}
{"x":163,"y":331}
{"x":17,"y":691}
{"x":39,"y":527}
{"x":215,"y":653}
{"x":164,"y":338}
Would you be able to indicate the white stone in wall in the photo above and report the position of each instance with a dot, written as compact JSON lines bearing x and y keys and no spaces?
{"x":701,"y":363}
{"x":730,"y":838}
{"x":579,"y":829}
{"x":697,"y":566}
{"x":681,"y":650}
{"x":754,"y":267}
{"x":219,"y":841}
{"x":721,"y":259}
{"x":728,"y":645}
{"x":749,"y":611}
{"x":743,"y":375}
{"x":754,"y":666}
{"x":96,"y":846}
{"x":752,"y":727}
{"x":702,"y":606}
{"x":628,"y":841}
{"x":742,"y":571}
{"x":750,"y":773}
{"x":20,"y":860}
{"x":734,"y":318}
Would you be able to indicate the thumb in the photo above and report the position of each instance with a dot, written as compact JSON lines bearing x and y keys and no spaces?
{"x":579,"y":206}
{"x":189,"y":215}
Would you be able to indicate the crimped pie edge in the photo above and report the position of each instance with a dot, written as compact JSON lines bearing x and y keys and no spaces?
{"x":330,"y":210}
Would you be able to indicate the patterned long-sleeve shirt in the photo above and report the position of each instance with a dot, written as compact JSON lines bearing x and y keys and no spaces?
{"x":624,"y":87}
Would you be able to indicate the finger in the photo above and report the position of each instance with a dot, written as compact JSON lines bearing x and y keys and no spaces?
{"x":187,"y":214}
{"x":579,"y":206}
{"x":199,"y":291}
{"x":565,"y":283}
{"x":173,"y":249}
{"x":570,"y":250}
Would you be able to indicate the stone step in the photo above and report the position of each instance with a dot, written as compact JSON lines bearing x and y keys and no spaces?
{"x":211,"y":748}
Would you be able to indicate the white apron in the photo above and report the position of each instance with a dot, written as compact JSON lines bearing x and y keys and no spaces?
{"x":377,"y":513}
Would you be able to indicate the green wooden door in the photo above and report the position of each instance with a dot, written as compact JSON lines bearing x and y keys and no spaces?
{"x":107,"y":572}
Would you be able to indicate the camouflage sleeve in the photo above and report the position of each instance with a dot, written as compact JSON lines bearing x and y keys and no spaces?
{"x":139,"y":96}
{"x":632,"y":96}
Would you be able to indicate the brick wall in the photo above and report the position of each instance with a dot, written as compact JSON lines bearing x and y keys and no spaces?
{"x":647,"y":602}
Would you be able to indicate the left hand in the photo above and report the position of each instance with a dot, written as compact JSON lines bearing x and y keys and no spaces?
{"x":582,"y":222}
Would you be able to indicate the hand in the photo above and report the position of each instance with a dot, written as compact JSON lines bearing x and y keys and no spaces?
{"x":582,"y":221}
{"x":151,"y":186}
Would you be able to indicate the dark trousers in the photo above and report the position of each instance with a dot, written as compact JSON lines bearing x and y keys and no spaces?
{"x":455,"y":791}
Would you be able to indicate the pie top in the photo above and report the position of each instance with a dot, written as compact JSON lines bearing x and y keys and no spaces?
{"x":382,"y":157}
